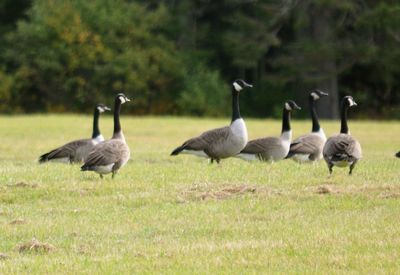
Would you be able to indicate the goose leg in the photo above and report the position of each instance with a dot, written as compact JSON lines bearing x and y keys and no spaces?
{"x":330,"y":165}
{"x":113,"y":174}
{"x":218,"y":160}
{"x":211,"y":161}
{"x":352,"y":167}
{"x":101,"y":176}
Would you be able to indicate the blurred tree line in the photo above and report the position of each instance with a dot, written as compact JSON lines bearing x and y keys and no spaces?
{"x":179,"y":57}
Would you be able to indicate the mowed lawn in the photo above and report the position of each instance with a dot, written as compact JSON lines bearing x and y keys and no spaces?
{"x":165,"y":214}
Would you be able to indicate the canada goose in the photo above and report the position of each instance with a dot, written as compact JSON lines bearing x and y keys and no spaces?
{"x":222,"y":142}
{"x":75,"y":151}
{"x":109,"y":156}
{"x":343,"y":150}
{"x":272,"y":148}
{"x":308,"y":148}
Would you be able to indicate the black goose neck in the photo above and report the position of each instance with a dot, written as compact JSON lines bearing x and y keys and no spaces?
{"x":315,"y":122}
{"x":344,"y":129}
{"x":96,"y":130}
{"x":235,"y":105}
{"x":286,"y":121}
{"x":117,"y":110}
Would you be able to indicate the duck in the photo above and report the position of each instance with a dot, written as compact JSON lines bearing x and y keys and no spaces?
{"x":308,"y":148}
{"x":220,"y":143}
{"x":343,"y":150}
{"x":111,"y":155}
{"x":75,"y":151}
{"x":272,"y":148}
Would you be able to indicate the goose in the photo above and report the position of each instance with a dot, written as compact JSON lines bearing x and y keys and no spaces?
{"x":343,"y":150}
{"x":222,"y":142}
{"x":308,"y":148}
{"x":272,"y":148}
{"x":109,"y":156}
{"x":76,"y":150}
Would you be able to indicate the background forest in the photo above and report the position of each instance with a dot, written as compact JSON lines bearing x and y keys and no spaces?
{"x":179,"y":57}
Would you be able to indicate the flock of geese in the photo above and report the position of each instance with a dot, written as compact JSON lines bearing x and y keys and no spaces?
{"x":104,"y":157}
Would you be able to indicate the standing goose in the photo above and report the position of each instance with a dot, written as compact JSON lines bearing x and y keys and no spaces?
{"x":272,"y":148}
{"x":343,"y":150}
{"x":222,"y":142}
{"x":75,"y":151}
{"x":308,"y":148}
{"x":109,"y":156}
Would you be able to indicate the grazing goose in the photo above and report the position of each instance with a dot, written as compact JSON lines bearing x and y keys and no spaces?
{"x":109,"y":156}
{"x":75,"y":151}
{"x":308,"y":148}
{"x":343,"y":150}
{"x":222,"y":142}
{"x":272,"y":148}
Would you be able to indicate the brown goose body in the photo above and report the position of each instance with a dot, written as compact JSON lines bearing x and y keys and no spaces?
{"x":343,"y":150}
{"x":76,"y":151}
{"x":109,"y":156}
{"x":272,"y":148}
{"x":222,"y":142}
{"x":308,"y":148}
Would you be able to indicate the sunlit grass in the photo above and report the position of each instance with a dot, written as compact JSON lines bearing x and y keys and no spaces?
{"x":182,"y":215}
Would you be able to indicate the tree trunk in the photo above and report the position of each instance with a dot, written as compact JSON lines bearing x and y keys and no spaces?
{"x":322,"y":33}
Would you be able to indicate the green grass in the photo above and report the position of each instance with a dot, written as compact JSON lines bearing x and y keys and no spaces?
{"x":167,"y":214}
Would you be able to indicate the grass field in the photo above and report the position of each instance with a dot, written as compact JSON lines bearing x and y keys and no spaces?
{"x":167,"y":214}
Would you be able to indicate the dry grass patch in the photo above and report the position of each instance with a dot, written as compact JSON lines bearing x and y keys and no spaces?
{"x":224,"y":193}
{"x":384,"y":191}
{"x":35,"y":246}
{"x":22,"y":184}
{"x":3,"y":256}
{"x":17,"y":221}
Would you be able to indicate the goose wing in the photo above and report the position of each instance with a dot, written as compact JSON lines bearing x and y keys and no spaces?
{"x":107,"y":152}
{"x":342,"y":145}
{"x":66,"y":151}
{"x":307,"y":144}
{"x":262,"y":145}
{"x":202,"y":142}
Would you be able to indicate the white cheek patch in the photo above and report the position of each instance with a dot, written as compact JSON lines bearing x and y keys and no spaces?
{"x":351,"y":102}
{"x":101,"y":109}
{"x":315,"y":96}
{"x":238,"y":88}
{"x":122,"y":99}
{"x":287,"y":106}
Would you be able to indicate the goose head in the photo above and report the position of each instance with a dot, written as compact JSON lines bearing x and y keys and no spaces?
{"x":317,"y":94}
{"x":122,"y":98}
{"x":240,"y":84}
{"x":102,"y":108}
{"x":348,"y":101}
{"x":290,"y":105}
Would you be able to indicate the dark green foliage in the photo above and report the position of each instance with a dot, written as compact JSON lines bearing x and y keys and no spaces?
{"x":179,"y":57}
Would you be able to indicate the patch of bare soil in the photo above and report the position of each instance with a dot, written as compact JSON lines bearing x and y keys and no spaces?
{"x":3,"y":256}
{"x":17,"y":221}
{"x":383,"y":191}
{"x":226,"y":192}
{"x":35,"y":246}
{"x":22,"y":184}
{"x":327,"y":189}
